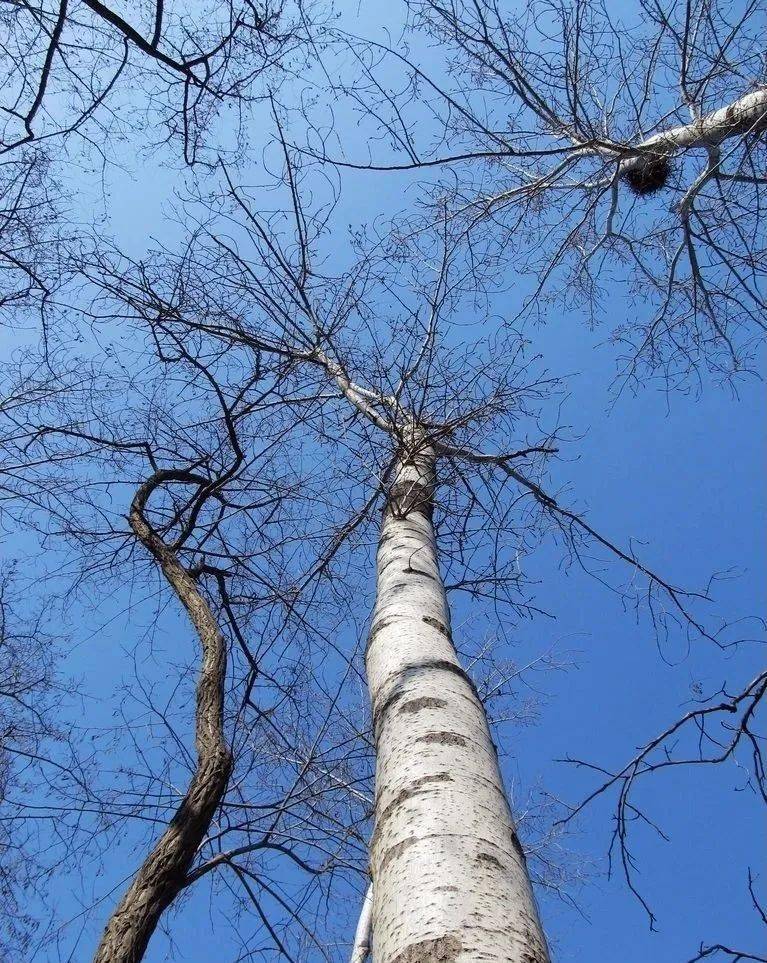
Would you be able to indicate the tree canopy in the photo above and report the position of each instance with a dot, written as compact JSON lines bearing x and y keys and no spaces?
{"x":257,"y":264}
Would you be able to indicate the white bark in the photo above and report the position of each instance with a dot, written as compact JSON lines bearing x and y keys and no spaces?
{"x":450,"y":882}
{"x":361,"y":947}
{"x":745,"y":115}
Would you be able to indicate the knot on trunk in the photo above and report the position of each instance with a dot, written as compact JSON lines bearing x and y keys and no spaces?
{"x":410,"y":496}
{"x":647,"y":173}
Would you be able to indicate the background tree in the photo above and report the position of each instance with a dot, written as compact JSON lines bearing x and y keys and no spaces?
{"x":78,"y":78}
{"x":598,"y":147}
{"x":271,"y":781}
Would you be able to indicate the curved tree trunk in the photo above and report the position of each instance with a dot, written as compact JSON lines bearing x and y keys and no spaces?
{"x":450,"y":880}
{"x":163,"y":873}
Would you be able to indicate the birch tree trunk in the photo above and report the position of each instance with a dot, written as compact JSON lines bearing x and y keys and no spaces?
{"x":163,"y":873}
{"x":450,"y":880}
{"x":747,"y":115}
{"x":361,"y":947}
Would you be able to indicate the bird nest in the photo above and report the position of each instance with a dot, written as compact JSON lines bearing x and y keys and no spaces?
{"x":647,"y":174}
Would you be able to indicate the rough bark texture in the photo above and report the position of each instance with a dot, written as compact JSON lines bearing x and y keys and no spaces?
{"x":450,"y":881}
{"x":163,"y":873}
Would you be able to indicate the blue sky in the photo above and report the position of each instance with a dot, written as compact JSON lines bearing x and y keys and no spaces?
{"x":682,"y":474}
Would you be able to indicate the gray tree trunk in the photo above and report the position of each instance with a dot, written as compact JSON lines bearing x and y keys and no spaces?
{"x":163,"y":873}
{"x":450,"y":880}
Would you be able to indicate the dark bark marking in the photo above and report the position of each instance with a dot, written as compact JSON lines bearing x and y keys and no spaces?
{"x":436,"y":624}
{"x":375,"y":628}
{"x":444,"y":739}
{"x":490,"y":860}
{"x":396,"y":850}
{"x":402,"y":796}
{"x":518,"y":847}
{"x":425,"y":702}
{"x":444,"y":949}
{"x":535,"y":955}
{"x":406,"y":497}
{"x":387,"y":564}
{"x":380,"y":714}
{"x":410,"y":570}
{"x":398,"y":587}
{"x":444,"y":666}
{"x":412,"y":671}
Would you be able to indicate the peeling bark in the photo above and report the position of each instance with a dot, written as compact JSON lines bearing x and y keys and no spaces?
{"x":163,"y":874}
{"x":450,"y":882}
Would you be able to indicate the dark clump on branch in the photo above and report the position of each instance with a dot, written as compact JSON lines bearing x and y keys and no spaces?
{"x":647,"y":174}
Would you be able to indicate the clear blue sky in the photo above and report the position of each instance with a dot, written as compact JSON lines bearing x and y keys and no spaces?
{"x":687,"y":478}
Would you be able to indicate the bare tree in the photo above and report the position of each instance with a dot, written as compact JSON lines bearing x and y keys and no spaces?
{"x":713,"y":733}
{"x":311,"y":400}
{"x":273,"y":781}
{"x":598,"y":147}
{"x":65,"y":64}
{"x":163,"y":873}
{"x":78,"y":77}
{"x":443,"y":434}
